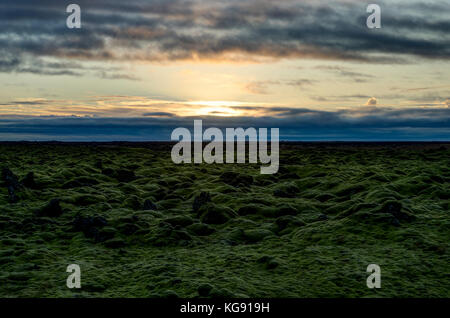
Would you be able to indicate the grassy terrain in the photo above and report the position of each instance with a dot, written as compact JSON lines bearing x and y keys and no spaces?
{"x":129,"y":220}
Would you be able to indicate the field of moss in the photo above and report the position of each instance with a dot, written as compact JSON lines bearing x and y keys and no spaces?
{"x":140,"y":226}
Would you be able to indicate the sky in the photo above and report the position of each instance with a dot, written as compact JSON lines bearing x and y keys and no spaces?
{"x":137,"y":69}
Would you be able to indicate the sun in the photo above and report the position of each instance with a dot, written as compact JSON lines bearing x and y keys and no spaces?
{"x":216,"y":108}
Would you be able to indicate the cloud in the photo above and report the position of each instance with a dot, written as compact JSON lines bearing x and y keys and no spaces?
{"x":195,"y":30}
{"x":295,"y":124}
{"x":158,"y":114}
{"x":346,"y":72}
{"x":262,"y":87}
{"x":259,"y":87}
{"x":299,"y":82}
{"x":371,"y":102}
{"x":22,"y":63}
{"x":107,"y":75}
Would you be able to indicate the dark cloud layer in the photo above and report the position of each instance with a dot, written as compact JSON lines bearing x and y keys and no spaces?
{"x":158,"y":30}
{"x":295,"y":124}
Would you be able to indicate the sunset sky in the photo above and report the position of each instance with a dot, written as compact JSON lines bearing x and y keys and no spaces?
{"x":137,"y":69}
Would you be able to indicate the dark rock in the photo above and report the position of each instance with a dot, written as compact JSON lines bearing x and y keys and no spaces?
{"x":160,"y":194}
{"x":167,"y":235}
{"x":236,"y":179}
{"x":19,"y":276}
{"x":269,"y":262}
{"x":128,"y":228}
{"x":349,"y":190}
{"x":204,"y":290}
{"x":181,"y":235}
{"x":394,"y":221}
{"x":325,"y":197}
{"x":108,"y":172}
{"x":200,"y":229}
{"x":249,"y":209}
{"x":80,"y":182}
{"x":272,"y":264}
{"x":12,"y":183}
{"x":115,"y":243}
{"x":256,"y":209}
{"x":256,"y":235}
{"x":180,"y":220}
{"x":391,"y":207}
{"x":52,"y":209}
{"x":90,"y":226}
{"x":132,"y":166}
{"x":236,"y":236}
{"x":11,"y":179}
{"x":201,"y":200}
{"x":129,"y":219}
{"x":132,"y":202}
{"x":284,"y":168}
{"x":264,"y":259}
{"x":106,"y":233}
{"x":149,"y":205}
{"x":396,"y":209}
{"x":287,"y":210}
{"x":286,"y":221}
{"x":98,"y":164}
{"x":286,"y":191}
{"x":29,"y":181}
{"x":12,"y":195}
{"x":286,"y":176}
{"x":99,"y":221}
{"x":176,"y":281}
{"x":87,"y":199}
{"x":124,"y":175}
{"x":165,"y":226}
{"x":216,"y":214}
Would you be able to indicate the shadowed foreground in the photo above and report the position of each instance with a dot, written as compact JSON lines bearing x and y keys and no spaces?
{"x":140,"y":226}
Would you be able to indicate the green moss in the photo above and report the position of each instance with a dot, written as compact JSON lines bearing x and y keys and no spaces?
{"x":308,"y":231}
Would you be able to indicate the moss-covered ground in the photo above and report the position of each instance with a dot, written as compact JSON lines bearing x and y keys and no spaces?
{"x":126,"y":215}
